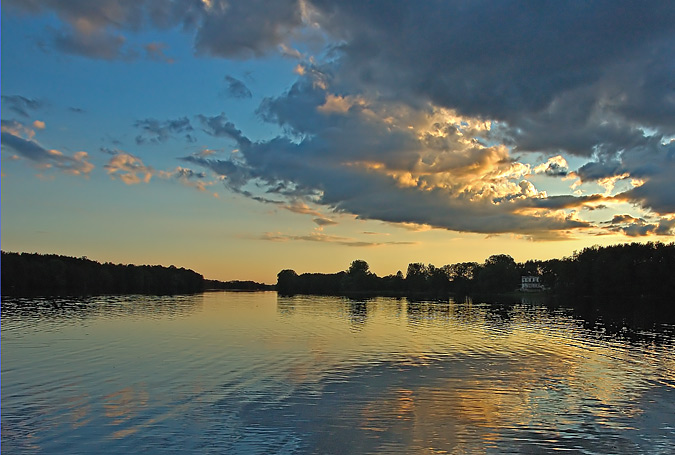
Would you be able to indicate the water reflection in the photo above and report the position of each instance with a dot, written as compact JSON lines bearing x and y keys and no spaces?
{"x":358,"y":312}
{"x":636,"y":319}
{"x":68,"y":309}
{"x":506,"y":377}
{"x":258,"y":374}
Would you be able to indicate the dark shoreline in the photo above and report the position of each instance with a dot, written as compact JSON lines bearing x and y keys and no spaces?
{"x":32,"y":274}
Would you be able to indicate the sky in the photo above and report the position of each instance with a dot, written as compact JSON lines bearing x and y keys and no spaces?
{"x":240,"y":138}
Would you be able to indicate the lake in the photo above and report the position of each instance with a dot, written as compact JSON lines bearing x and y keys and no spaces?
{"x":256,"y":373}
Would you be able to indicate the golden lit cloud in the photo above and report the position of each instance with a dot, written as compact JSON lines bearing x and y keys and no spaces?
{"x":336,"y":104}
{"x":129,"y":168}
{"x":608,"y":183}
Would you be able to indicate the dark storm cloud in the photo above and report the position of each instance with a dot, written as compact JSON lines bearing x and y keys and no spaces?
{"x":236,"y":88}
{"x":243,"y":29}
{"x":546,"y":68}
{"x":596,"y":170}
{"x":561,"y":202}
{"x":505,"y":59}
{"x":652,"y":163}
{"x":157,"y":132}
{"x":21,"y":105}
{"x":657,"y":193}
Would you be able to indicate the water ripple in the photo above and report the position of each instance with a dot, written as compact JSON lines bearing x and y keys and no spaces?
{"x":257,"y":374}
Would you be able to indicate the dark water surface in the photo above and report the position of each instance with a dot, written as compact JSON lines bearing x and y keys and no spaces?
{"x":253,"y":373}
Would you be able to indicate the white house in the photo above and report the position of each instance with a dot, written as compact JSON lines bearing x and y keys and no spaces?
{"x":530,"y":283}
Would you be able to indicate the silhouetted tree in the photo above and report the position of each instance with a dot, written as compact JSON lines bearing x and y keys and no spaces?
{"x":416,"y":277}
{"x":498,"y":274}
{"x":461,"y":277}
{"x":287,"y":282}
{"x":439,"y":279}
{"x":358,"y":277}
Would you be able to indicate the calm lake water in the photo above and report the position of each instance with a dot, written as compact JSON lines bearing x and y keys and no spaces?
{"x":254,"y":373}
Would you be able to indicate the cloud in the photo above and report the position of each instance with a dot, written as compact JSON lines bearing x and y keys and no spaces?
{"x":429,"y":112}
{"x":512,"y":64}
{"x":93,"y":30}
{"x":556,"y":166}
{"x":247,"y":29}
{"x":21,"y":105}
{"x":559,"y":77}
{"x":236,"y":88}
{"x":227,"y":29}
{"x":76,"y":164}
{"x":235,"y":175}
{"x":220,"y":126}
{"x":639,"y":227}
{"x":302,"y":208}
{"x":324,"y":222}
{"x":387,"y":161}
{"x":596,"y":170}
{"x":188,"y":177}
{"x":85,"y":41}
{"x":325,"y":238}
{"x":131,"y":170}
{"x":155,"y":51}
{"x":157,"y":132}
{"x":18,"y":129}
{"x":648,"y":167}
{"x":128,"y":168}
{"x":110,"y":151}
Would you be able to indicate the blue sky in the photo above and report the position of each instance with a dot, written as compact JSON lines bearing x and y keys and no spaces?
{"x":241,"y":138}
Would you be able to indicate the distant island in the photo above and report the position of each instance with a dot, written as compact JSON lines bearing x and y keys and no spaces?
{"x":51,"y":274}
{"x":625,"y":270}
{"x":237,"y":285}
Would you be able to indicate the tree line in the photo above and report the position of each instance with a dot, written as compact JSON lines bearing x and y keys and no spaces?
{"x":237,"y":285}
{"x":624,"y":270}
{"x":51,"y":274}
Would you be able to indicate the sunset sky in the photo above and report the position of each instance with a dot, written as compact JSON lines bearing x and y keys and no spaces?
{"x":239,"y":138}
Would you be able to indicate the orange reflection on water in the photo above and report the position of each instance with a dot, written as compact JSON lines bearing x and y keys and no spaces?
{"x":532,"y":381}
{"x":122,"y":406}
